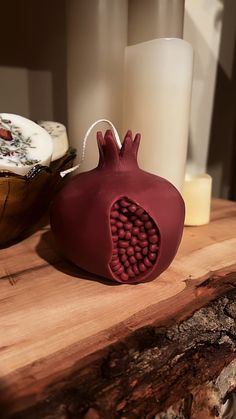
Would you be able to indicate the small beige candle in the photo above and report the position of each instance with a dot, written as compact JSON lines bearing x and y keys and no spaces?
{"x":197,"y":198}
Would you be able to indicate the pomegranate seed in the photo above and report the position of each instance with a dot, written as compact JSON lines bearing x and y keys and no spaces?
{"x":148,"y":225}
{"x":151,"y":231}
{"x":123,"y":218}
{"x":124,"y":203}
{"x":147,"y":262}
{"x":144,"y":217}
{"x":139,"y":211}
{"x":153,"y":239}
{"x":121,"y":233}
{"x":142,"y":267}
{"x":116,"y":268}
{"x":123,"y":258}
{"x":130,"y":251}
{"x":142,"y":236}
{"x":114,"y":214}
{"x":132,"y":259}
{"x":124,"y":276}
{"x":135,"y":231}
{"x":143,"y":243}
{"x":130,"y":272}
{"x":119,"y":271}
{"x":123,"y":243}
{"x":128,"y":226}
{"x":153,"y":247}
{"x":128,"y":235}
{"x":133,"y":241}
{"x":145,"y":251}
{"x":135,"y":269}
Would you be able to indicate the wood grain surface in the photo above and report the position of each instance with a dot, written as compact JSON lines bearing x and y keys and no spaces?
{"x":56,"y":320}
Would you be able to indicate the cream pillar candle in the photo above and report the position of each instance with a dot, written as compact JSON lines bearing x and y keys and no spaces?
{"x":23,"y":144}
{"x":158,"y":80}
{"x":96,"y":41}
{"x":197,"y":198}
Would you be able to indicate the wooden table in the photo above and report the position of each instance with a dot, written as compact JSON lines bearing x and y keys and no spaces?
{"x":73,"y":346}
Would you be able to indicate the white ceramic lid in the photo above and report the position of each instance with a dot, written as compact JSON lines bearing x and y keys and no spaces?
{"x":23,"y":144}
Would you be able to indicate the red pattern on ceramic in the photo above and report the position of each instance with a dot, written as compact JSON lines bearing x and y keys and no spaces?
{"x":118,"y":221}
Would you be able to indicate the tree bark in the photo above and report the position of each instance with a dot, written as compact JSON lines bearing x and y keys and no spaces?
{"x":178,"y":370}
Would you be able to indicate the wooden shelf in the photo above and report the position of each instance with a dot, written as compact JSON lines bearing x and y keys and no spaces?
{"x":76,"y":346}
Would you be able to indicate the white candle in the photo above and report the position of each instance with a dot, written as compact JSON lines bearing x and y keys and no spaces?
{"x":197,"y":198}
{"x":59,"y":137}
{"x":158,"y":79}
{"x":23,"y":144}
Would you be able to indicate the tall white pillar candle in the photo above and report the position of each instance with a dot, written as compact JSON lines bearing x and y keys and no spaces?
{"x":197,"y":198}
{"x":96,"y":41}
{"x":158,"y":79}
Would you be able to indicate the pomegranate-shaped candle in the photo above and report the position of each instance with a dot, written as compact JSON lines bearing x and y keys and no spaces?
{"x":118,"y":221}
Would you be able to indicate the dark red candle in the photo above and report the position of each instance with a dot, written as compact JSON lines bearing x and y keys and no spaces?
{"x":118,"y":221}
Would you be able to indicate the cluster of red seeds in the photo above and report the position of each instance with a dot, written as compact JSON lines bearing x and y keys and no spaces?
{"x":135,"y":240}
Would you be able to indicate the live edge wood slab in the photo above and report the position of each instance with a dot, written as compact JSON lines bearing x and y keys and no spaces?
{"x":75,"y":346}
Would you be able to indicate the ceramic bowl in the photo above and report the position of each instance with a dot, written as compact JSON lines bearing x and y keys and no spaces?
{"x":24,"y":200}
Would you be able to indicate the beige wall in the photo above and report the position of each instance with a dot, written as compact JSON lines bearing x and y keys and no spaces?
{"x":96,"y":39}
{"x":69,"y":58}
{"x":202,"y":28}
{"x":222,"y":150}
{"x":33,"y":60}
{"x":26,"y":92}
{"x":210,"y":25}
{"x":14,"y":88}
{"x":150,"y":19}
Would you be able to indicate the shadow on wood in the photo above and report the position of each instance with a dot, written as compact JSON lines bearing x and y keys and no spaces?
{"x":48,"y":251}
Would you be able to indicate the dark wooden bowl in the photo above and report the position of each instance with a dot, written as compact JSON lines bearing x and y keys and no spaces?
{"x":24,"y":200}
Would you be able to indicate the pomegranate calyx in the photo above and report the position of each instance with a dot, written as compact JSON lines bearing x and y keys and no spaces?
{"x":111,"y":157}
